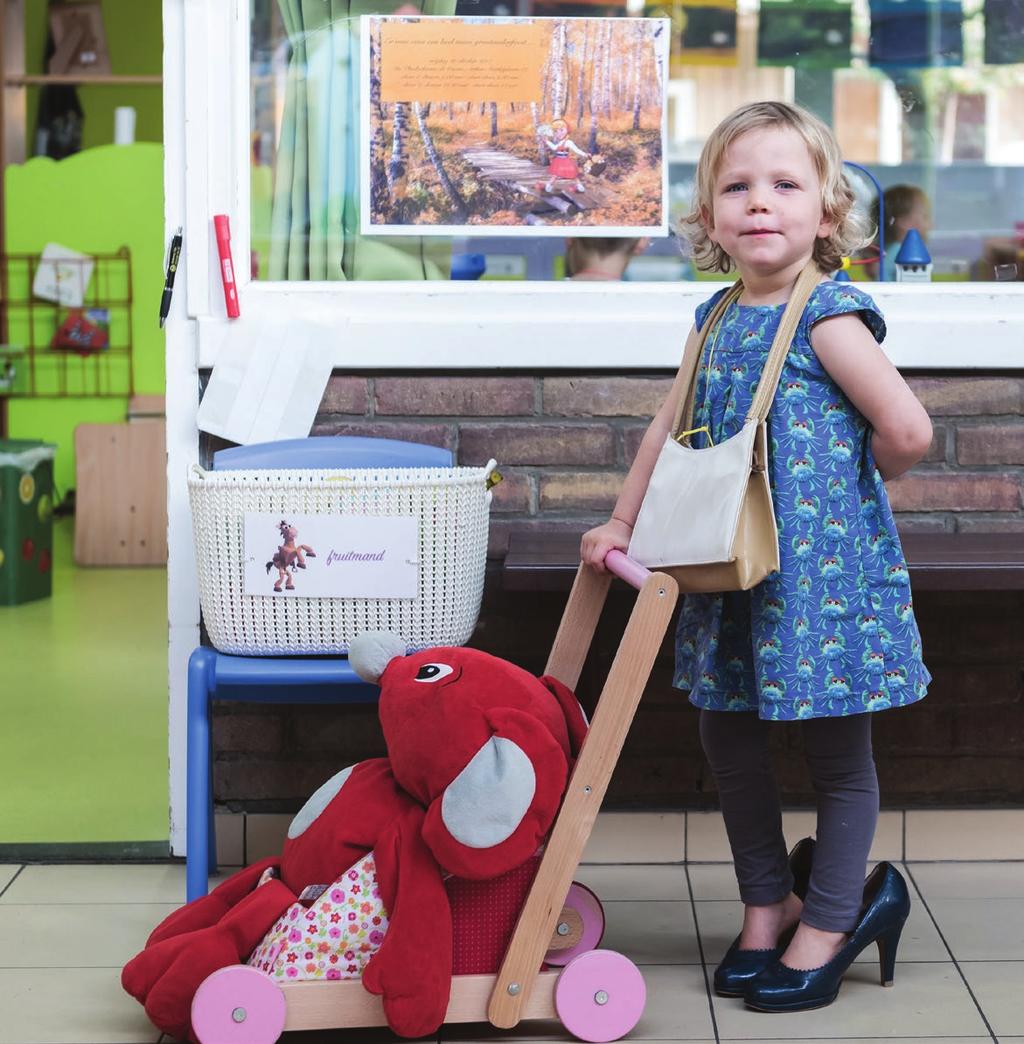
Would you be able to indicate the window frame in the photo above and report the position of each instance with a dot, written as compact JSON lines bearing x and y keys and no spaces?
{"x":456,"y":325}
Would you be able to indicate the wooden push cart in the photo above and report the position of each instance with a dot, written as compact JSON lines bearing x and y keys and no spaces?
{"x":598,"y":995}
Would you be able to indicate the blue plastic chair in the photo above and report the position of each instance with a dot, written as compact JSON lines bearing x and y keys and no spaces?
{"x":214,"y":675}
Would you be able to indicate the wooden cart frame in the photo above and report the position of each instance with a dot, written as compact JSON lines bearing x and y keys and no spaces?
{"x":520,"y":990}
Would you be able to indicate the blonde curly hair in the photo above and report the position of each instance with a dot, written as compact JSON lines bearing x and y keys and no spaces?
{"x":851,"y":231}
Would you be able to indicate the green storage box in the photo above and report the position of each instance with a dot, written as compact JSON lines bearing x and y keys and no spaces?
{"x":26,"y":520}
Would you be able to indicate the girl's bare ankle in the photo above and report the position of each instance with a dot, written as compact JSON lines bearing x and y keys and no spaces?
{"x":762,"y":925}
{"x":811,"y":947}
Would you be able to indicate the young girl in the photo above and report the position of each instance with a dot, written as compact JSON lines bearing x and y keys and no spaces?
{"x":831,"y":637}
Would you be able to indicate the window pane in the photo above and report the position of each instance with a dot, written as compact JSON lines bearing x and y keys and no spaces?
{"x":927,"y":95}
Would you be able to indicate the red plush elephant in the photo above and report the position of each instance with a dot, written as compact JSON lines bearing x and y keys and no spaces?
{"x":479,"y":754}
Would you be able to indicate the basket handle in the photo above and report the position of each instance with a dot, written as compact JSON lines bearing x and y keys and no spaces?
{"x":490,"y":469}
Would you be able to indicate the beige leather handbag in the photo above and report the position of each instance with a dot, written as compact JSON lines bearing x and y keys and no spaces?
{"x":707,"y":518}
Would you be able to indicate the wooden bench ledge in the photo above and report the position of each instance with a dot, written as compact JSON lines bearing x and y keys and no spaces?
{"x":540,"y":561}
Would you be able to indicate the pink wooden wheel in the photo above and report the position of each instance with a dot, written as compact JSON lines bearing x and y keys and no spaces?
{"x":600,"y":995}
{"x":238,"y":1005}
{"x":591,"y":913}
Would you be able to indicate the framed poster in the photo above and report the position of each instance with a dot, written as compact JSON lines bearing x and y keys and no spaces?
{"x":908,"y":34}
{"x":811,"y":34}
{"x":703,"y":33}
{"x":514,"y":126}
{"x":1004,"y":32}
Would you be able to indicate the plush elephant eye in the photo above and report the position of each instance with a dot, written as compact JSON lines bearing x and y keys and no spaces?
{"x":432,"y":672}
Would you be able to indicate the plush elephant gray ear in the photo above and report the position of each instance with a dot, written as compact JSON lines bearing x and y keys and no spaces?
{"x":371,"y":652}
{"x":317,"y":802}
{"x":487,"y":800}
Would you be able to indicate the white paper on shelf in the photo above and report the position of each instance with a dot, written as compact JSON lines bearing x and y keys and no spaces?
{"x":63,"y":275}
{"x":261,"y":392}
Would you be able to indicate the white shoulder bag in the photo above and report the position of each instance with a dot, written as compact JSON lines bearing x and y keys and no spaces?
{"x":707,"y":517}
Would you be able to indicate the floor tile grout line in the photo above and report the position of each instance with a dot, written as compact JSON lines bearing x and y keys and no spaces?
{"x":681,"y":899}
{"x":964,"y":862}
{"x":949,"y":949}
{"x":700,"y":952}
{"x":17,"y":874}
{"x":51,"y":903}
{"x":948,"y":861}
{"x":62,"y":967}
{"x":639,"y":964}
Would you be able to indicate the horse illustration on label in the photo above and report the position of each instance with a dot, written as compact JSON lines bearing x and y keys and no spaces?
{"x":288,"y":557}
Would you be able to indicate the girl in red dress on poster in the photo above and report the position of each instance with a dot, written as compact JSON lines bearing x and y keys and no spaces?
{"x":562,"y":164}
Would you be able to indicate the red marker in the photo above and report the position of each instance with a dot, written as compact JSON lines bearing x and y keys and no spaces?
{"x":227,"y":271}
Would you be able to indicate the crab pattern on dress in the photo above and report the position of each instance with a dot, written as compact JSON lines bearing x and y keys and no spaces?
{"x":833,"y":631}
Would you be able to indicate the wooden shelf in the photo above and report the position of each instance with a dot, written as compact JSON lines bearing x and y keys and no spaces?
{"x":84,"y":81}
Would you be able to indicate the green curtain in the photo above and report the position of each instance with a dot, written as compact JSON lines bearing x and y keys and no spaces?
{"x":314,"y":225}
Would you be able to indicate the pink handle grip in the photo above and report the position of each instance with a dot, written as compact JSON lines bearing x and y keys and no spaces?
{"x":626,"y":569}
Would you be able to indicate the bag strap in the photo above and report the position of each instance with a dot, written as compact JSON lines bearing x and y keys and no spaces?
{"x":691,"y":357}
{"x":772,"y":372}
{"x":802,"y":290}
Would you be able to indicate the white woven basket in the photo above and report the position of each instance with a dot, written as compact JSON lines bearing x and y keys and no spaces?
{"x":452,"y":505}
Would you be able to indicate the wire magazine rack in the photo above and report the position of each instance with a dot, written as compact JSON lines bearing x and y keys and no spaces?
{"x":30,"y":366}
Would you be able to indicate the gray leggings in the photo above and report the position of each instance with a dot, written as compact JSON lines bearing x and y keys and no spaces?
{"x":842,"y":768}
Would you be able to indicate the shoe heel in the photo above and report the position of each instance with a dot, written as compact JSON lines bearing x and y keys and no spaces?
{"x":887,"y":946}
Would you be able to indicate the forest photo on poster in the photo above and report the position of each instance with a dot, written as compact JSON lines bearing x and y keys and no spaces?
{"x":517,"y":126}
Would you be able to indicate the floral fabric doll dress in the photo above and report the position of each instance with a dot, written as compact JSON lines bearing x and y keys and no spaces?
{"x":833,"y":631}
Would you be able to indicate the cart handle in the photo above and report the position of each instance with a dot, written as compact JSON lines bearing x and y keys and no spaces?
{"x":626,"y":568}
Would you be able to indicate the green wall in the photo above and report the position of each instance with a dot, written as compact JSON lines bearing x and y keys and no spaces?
{"x":97,"y":201}
{"x":134,"y":33}
{"x":94,"y":202}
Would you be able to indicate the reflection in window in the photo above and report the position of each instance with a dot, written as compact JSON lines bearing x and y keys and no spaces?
{"x":927,"y":94}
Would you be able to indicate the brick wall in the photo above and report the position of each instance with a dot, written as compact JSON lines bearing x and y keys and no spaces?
{"x":564,"y":443}
{"x":971,"y":478}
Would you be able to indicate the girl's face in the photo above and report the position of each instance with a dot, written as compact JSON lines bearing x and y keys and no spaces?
{"x":766,"y":203}
{"x":561,"y":132}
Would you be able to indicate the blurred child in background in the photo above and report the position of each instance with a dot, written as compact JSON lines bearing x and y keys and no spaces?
{"x":906,"y":207}
{"x":601,"y":259}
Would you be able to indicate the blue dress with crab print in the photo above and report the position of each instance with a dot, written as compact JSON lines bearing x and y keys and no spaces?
{"x":833,"y":631}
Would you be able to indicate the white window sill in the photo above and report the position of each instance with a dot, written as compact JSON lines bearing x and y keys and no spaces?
{"x":588,"y":326}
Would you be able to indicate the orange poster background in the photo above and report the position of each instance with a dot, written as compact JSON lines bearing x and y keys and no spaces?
{"x":450,"y":61}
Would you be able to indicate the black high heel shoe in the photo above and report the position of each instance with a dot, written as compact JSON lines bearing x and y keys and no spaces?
{"x":738,"y":966}
{"x":885,"y":910}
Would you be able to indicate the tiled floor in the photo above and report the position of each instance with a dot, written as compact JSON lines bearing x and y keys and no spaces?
{"x":68,"y":929}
